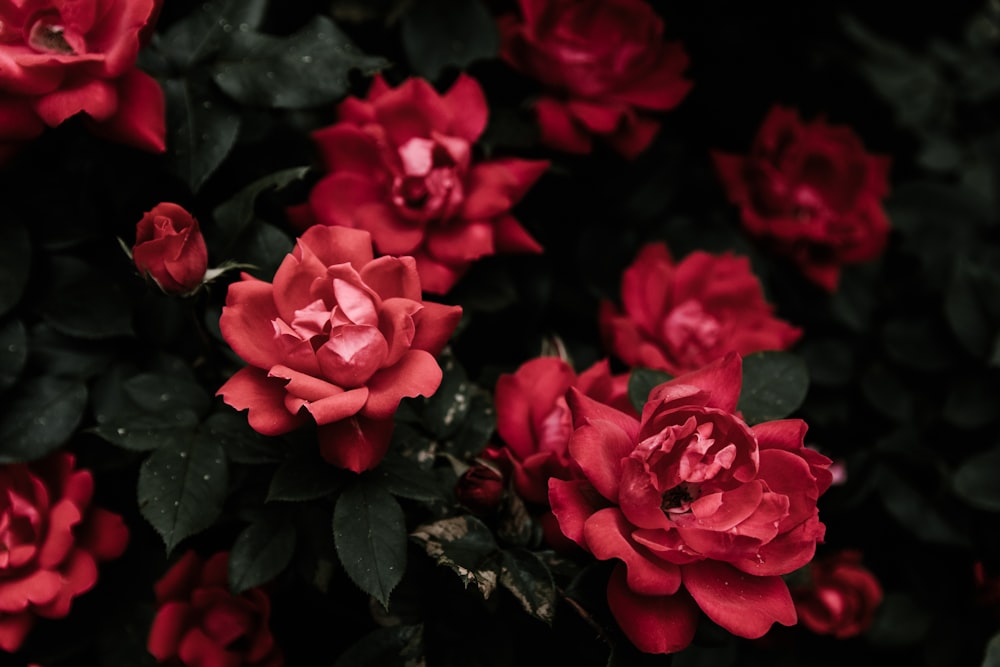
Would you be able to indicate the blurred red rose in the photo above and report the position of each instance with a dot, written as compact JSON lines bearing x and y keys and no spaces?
{"x":340,"y":338}
{"x":401,"y":167}
{"x":841,"y":597}
{"x":699,"y":509}
{"x":604,"y":65}
{"x":812,"y":191}
{"x":200,"y":623}
{"x":51,"y":540}
{"x":66,"y":58}
{"x":170,"y":249}
{"x":680,"y":316}
{"x":480,"y":489}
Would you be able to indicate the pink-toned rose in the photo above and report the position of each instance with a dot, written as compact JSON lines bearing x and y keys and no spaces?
{"x":698,"y":509}
{"x":401,"y":167}
{"x":200,"y":623}
{"x":339,"y":338}
{"x":679,"y":316}
{"x":51,"y":540}
{"x":170,"y":249}
{"x":62,"y":58}
{"x":812,"y":192}
{"x":604,"y":66}
{"x":841,"y":596}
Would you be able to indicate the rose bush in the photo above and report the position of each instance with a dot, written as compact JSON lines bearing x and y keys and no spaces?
{"x":812,"y":192}
{"x":679,"y":316}
{"x":604,"y":67}
{"x":170,"y":249}
{"x":401,"y":166}
{"x":841,"y":596}
{"x":200,"y":623}
{"x":51,"y":540}
{"x":66,"y":58}
{"x":698,"y":509}
{"x":338,"y":338}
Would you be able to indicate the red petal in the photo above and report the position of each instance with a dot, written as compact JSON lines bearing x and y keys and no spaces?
{"x":745,"y":605}
{"x":346,"y":147}
{"x":573,"y":502}
{"x":140,"y":118}
{"x":607,"y":533}
{"x":510,"y":236}
{"x":392,"y":277}
{"x":469,"y":110}
{"x":435,"y":323}
{"x":18,"y":121}
{"x":250,"y":389}
{"x":59,"y":539}
{"x":336,"y":198}
{"x":586,"y":410}
{"x":79,"y":575}
{"x":721,"y":380}
{"x":529,"y":392}
{"x":13,"y":629}
{"x":391,"y":234}
{"x":106,"y":535}
{"x":352,"y":354}
{"x":461,"y":242}
{"x":37,"y":588}
{"x":437,"y":277}
{"x":397,"y":326}
{"x":597,"y":118}
{"x":559,"y":129}
{"x":337,"y":245}
{"x":246,"y":322}
{"x":356,"y":444}
{"x":655,"y":624}
{"x":416,"y":374}
{"x":414,"y":109}
{"x":634,"y":136}
{"x":198,"y":650}
{"x":663,"y":87}
{"x":177,"y":582}
{"x":167,"y":629}
{"x":338,"y":407}
{"x":96,"y":98}
{"x":599,"y":447}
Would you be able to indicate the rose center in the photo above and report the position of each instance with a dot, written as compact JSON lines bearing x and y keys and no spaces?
{"x":691,"y":333}
{"x":677,"y":500}
{"x":429,"y":185}
{"x":48,"y":35}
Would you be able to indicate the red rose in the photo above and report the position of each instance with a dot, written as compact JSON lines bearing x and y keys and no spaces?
{"x":401,"y":167}
{"x":480,"y":488}
{"x":51,"y":540}
{"x":681,"y":316}
{"x":199,"y":623}
{"x":64,"y":58}
{"x":170,"y":249}
{"x":338,"y":338}
{"x":604,"y":65}
{"x":699,"y":509}
{"x":841,"y":597}
{"x":812,"y":191}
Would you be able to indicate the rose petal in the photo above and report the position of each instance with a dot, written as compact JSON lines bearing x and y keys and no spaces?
{"x":607,"y":534}
{"x":356,"y":444}
{"x":416,"y":374}
{"x":654,"y":624}
{"x":744,"y":605}
{"x":264,"y":397}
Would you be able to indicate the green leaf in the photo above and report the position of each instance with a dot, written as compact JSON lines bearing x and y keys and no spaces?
{"x":641,"y":381}
{"x":477,"y":428}
{"x":182,"y":488}
{"x":310,"y":68}
{"x":242,"y":443}
{"x":13,"y":352}
{"x":774,"y":386}
{"x":991,"y":658}
{"x":234,"y":216}
{"x":406,"y":479}
{"x":883,"y":389}
{"x":830,"y":361}
{"x":393,"y":646}
{"x":466,"y":546}
{"x":444,"y":412}
{"x":265,"y":247}
{"x":161,"y":393}
{"x":966,"y":307}
{"x":15,"y":262}
{"x":261,"y":551}
{"x":529,"y":580}
{"x":83,"y":302}
{"x":917,"y":510}
{"x":208,"y":29}
{"x":972,"y":401}
{"x":203,"y":128}
{"x":41,"y":415}
{"x":975,"y":480}
{"x":369,"y":530}
{"x":63,"y":356}
{"x":301,"y":479}
{"x":899,"y":621}
{"x":920,"y":343}
{"x":441,"y":33}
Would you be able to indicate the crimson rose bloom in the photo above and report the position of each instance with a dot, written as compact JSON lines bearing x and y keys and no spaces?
{"x":681,"y":316}
{"x":480,"y":488}
{"x":170,"y":249}
{"x":65,"y":58}
{"x":339,"y":338}
{"x":812,"y":192}
{"x":841,"y":598}
{"x":401,"y":167}
{"x":51,"y":540}
{"x":604,"y":65}
{"x":199,"y":623}
{"x":699,"y":509}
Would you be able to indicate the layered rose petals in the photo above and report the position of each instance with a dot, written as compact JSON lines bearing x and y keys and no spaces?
{"x":63,"y":59}
{"x":199,"y":622}
{"x":839,"y":596}
{"x":604,"y":66}
{"x":812,"y":192}
{"x":51,"y":540}
{"x":170,"y":249}
{"x":700,"y":510}
{"x":400,"y":166}
{"x":339,"y":338}
{"x":679,"y":316}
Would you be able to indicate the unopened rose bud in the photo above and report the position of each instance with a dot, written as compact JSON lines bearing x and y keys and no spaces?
{"x":480,"y":489}
{"x":170,"y":249}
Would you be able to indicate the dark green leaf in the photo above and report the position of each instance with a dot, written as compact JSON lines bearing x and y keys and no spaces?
{"x":15,"y":262}
{"x":242,"y":443}
{"x":529,"y":580}
{"x":233,"y":216}
{"x":992,"y":655}
{"x":302,"y":479}
{"x":261,"y":551}
{"x":477,"y":427}
{"x":441,"y":33}
{"x":975,"y":481}
{"x":143,"y":432}
{"x":830,"y":361}
{"x":964,"y":306}
{"x":370,"y":533}
{"x":160,"y":393}
{"x":641,"y":381}
{"x":209,"y":28}
{"x":83,"y":302}
{"x":63,"y":356}
{"x":972,"y":401}
{"x":394,"y":646}
{"x":918,"y":343}
{"x":40,"y":417}
{"x":13,"y":352}
{"x":265,"y":247}
{"x":406,"y":479}
{"x":444,"y":412}
{"x":307,"y":69}
{"x":182,"y":488}
{"x":899,"y":621}
{"x":774,"y":386}
{"x":887,"y":393}
{"x":707,"y":656}
{"x":203,"y":128}
{"x":466,"y":546}
{"x":917,"y":510}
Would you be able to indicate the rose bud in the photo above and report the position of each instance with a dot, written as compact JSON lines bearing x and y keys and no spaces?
{"x":170,"y":249}
{"x":480,"y":489}
{"x":841,"y":597}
